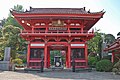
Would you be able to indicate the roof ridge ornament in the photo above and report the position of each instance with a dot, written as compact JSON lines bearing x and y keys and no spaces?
{"x":102,"y":10}
{"x":84,"y":8}
{"x":30,"y":7}
{"x":89,"y":11}
{"x":26,"y":10}
{"x":11,"y":10}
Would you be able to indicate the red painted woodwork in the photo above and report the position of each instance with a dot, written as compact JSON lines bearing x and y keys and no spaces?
{"x":71,"y":31}
{"x":28,"y":54}
{"x":86,"y":51}
{"x":115,"y":49}
{"x":113,"y":55}
{"x":45,"y":56}
{"x":48,"y":57}
{"x":69,"y":57}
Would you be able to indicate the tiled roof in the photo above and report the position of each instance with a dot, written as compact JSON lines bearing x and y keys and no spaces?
{"x":114,"y":45}
{"x":58,"y":10}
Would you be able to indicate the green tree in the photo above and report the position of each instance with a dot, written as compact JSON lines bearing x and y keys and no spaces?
{"x":94,"y":45}
{"x":9,"y":35}
{"x":0,"y":33}
{"x":11,"y":21}
{"x":18,"y":8}
{"x":109,"y":38}
{"x":2,"y":22}
{"x":10,"y":38}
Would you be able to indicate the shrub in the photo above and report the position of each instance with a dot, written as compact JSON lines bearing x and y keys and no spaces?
{"x":104,"y":65}
{"x":23,"y":57}
{"x":116,"y":68}
{"x":24,"y":60}
{"x":17,"y":61}
{"x":92,"y":61}
{"x":117,"y":65}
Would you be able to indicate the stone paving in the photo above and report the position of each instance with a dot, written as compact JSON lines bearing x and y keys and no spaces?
{"x":58,"y":75}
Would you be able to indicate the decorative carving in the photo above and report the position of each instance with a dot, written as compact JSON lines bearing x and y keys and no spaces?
{"x":69,"y":41}
{"x":58,"y":23}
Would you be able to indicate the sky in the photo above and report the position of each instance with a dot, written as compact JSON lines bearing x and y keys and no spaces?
{"x":109,"y":24}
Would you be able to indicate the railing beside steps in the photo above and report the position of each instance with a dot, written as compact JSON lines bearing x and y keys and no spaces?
{"x":35,"y":64}
{"x":78,"y":63}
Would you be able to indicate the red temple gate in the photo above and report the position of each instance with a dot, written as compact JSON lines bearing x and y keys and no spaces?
{"x":65,"y":29}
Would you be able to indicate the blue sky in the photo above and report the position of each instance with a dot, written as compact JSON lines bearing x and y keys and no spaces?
{"x":110,"y":23}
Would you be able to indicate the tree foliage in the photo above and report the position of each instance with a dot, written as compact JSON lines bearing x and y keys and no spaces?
{"x":18,"y":8}
{"x":104,"y":65}
{"x":109,"y":38}
{"x":95,"y":44}
{"x":10,"y":38}
{"x":116,"y":68}
{"x":0,"y":32}
{"x":10,"y":20}
{"x":9,"y":35}
{"x":92,"y":61}
{"x":3,"y":21}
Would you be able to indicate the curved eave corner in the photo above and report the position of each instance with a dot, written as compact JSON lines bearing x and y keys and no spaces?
{"x":11,"y":12}
{"x":102,"y":14}
{"x":15,"y":13}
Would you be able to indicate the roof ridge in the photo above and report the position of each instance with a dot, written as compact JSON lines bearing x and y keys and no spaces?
{"x":55,"y":8}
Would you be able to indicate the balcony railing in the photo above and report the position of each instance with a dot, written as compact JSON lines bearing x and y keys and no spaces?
{"x":58,"y":32}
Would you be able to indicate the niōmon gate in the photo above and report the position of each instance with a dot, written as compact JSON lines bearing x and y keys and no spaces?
{"x":49,"y":29}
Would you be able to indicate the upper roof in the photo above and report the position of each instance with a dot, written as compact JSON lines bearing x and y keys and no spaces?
{"x":59,"y":11}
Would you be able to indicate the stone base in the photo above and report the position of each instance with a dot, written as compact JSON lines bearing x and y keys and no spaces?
{"x":4,"y":65}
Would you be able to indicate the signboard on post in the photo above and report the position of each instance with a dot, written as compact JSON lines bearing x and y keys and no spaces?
{"x":7,"y":54}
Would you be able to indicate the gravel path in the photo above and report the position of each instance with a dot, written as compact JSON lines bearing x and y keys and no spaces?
{"x":58,"y":75}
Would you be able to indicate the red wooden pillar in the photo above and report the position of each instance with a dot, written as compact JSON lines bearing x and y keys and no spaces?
{"x":86,"y":55}
{"x":113,"y":56}
{"x":69,"y":56}
{"x":45,"y":56}
{"x":28,"y":55}
{"x":82,"y":26}
{"x":66,"y":62}
{"x":48,"y":58}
